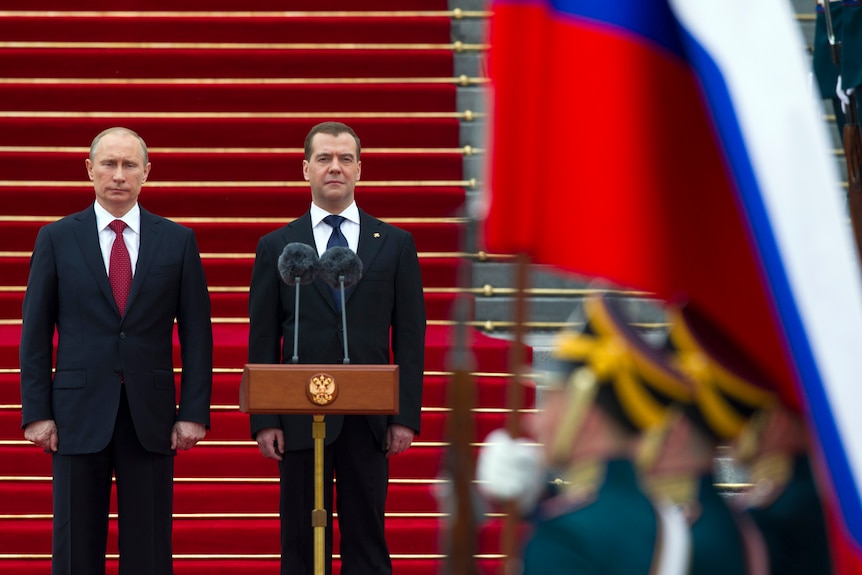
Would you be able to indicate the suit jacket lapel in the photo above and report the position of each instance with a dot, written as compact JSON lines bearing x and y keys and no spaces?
{"x":151,"y":237}
{"x":87,"y":237}
{"x":372,"y":234}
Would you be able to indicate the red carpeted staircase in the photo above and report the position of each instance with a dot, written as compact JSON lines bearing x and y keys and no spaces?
{"x":224,"y":100}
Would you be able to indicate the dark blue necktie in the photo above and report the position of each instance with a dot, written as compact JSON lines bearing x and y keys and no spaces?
{"x":336,"y":239}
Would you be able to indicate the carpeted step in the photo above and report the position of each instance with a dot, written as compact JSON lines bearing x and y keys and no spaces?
{"x":490,"y":395}
{"x":233,"y":167}
{"x":490,"y":391}
{"x":182,"y":566}
{"x":263,"y":566}
{"x":233,"y":425}
{"x":227,"y":5}
{"x":241,"y":199}
{"x":258,"y":566}
{"x":225,"y":132}
{"x":256,"y":61}
{"x":436,"y":271}
{"x":22,"y":497}
{"x":222,"y":269}
{"x":243,"y":28}
{"x":438,"y":306}
{"x":229,"y":237}
{"x":195,"y":98}
{"x":208,"y":460}
{"x":229,"y":536}
{"x":489,"y":353}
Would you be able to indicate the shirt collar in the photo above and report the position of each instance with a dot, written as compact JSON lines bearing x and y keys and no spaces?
{"x":132,"y":218}
{"x":350,"y":213}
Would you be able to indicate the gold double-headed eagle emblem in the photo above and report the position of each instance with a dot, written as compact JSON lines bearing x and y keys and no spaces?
{"x":322,"y":389}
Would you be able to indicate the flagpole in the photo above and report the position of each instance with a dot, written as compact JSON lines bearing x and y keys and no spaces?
{"x":511,"y":564}
{"x":458,"y":501}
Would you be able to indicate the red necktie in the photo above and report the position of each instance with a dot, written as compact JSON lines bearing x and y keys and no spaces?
{"x":120,"y":267}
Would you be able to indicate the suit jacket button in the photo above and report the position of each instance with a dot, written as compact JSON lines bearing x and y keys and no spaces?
{"x":340,"y":328}
{"x":117,"y":372}
{"x":122,"y":335}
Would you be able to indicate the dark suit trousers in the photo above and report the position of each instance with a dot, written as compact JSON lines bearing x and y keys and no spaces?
{"x":361,"y":469}
{"x":82,"y":495}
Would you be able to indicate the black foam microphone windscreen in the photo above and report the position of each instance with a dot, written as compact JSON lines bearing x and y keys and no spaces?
{"x":338,"y":261}
{"x":298,"y":260}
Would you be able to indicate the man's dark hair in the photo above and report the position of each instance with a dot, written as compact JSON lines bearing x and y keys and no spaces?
{"x":333,"y":129}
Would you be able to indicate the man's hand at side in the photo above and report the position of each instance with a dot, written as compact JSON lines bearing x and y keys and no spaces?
{"x":270,"y":440}
{"x":398,"y":439}
{"x":186,"y":434}
{"x":43,"y":433}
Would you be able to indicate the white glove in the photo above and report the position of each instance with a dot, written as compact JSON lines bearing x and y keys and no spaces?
{"x":843,"y":95}
{"x":510,"y":469}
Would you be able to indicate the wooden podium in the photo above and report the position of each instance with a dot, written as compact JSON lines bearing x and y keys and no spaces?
{"x":318,"y":389}
{"x":292,"y":388}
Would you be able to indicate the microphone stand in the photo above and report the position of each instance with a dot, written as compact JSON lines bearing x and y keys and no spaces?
{"x":343,"y":318}
{"x":295,"y":358}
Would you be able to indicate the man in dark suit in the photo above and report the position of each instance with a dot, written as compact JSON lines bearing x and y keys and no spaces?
{"x":385,"y":311}
{"x":110,"y":281}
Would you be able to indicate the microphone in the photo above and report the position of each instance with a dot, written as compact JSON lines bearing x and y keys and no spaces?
{"x":297,"y":265}
{"x":340,"y":268}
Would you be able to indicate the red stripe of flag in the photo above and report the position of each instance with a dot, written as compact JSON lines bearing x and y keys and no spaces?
{"x":605,"y":163}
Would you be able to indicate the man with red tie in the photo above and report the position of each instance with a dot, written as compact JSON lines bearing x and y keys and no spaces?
{"x":110,"y":282}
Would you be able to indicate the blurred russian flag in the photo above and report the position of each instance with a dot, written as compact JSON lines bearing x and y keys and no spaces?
{"x":674,"y":146}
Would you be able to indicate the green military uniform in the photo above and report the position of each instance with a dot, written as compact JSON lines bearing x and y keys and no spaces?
{"x":600,"y":521}
{"x":609,"y":528}
{"x":851,"y":44}
{"x":825,"y":71}
{"x":786,"y":507}
{"x":723,"y":541}
{"x":847,"y":29}
{"x":718,"y":546}
{"x":736,"y":401}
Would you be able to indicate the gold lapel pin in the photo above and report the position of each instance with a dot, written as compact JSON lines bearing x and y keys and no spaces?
{"x":376,"y":234}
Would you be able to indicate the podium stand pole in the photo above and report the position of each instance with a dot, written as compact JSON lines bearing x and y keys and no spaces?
{"x":318,"y":514}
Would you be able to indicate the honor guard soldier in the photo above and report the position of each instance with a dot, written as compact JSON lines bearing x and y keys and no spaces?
{"x":678,"y":457}
{"x":851,"y":45}
{"x":836,"y":80}
{"x":737,"y":402}
{"x":826,"y":71}
{"x":595,"y":518}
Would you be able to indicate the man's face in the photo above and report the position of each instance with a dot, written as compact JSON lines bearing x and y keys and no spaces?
{"x":117,"y":171}
{"x":544,"y":426}
{"x":332,"y":171}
